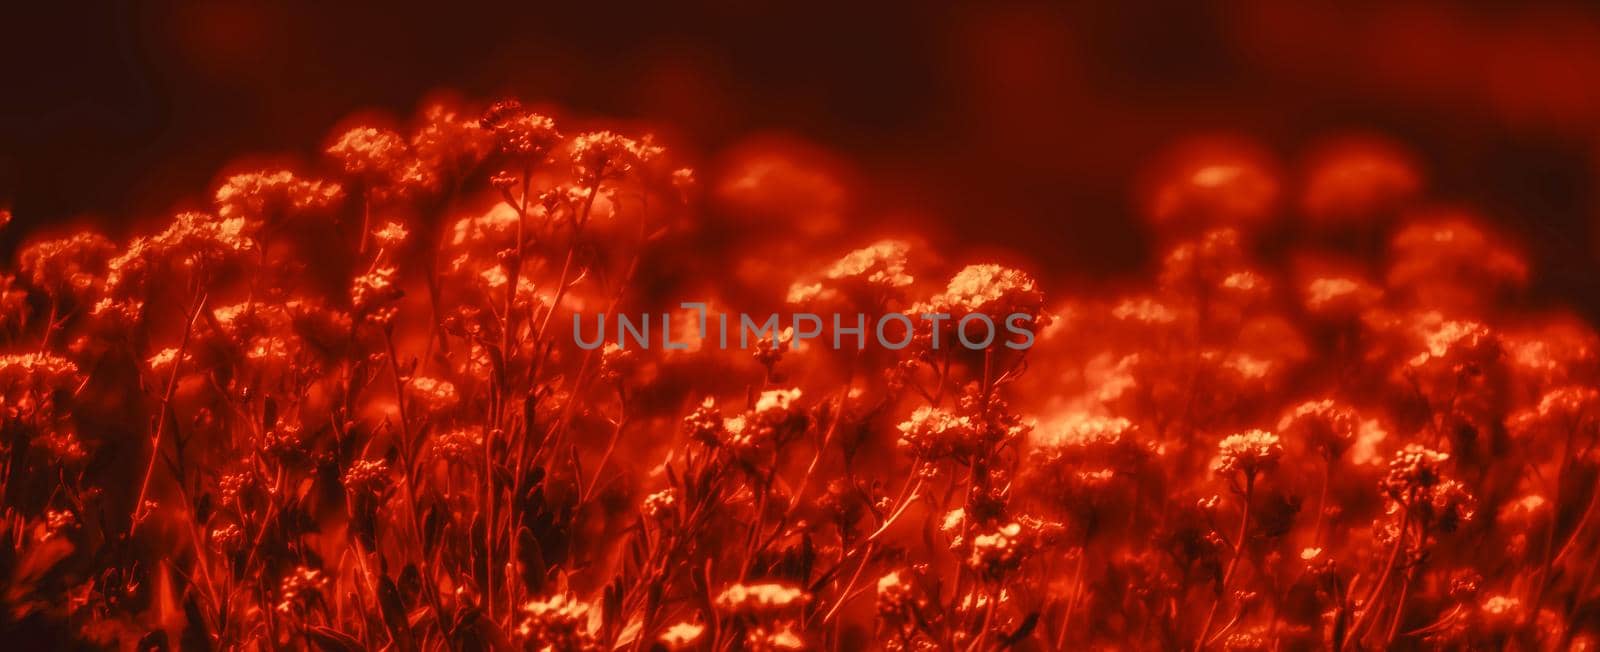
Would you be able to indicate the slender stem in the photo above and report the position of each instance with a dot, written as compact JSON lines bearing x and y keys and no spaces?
{"x":1369,"y":606}
{"x":166,"y":405}
{"x":1322,"y":501}
{"x":1233,"y":562}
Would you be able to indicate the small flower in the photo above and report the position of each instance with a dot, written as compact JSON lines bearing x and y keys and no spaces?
{"x":1338,"y":297}
{"x":370,"y":152}
{"x":1249,"y":452}
{"x":682,"y":636}
{"x":706,"y":423}
{"x":273,"y":194}
{"x":56,"y":523}
{"x":997,"y":549}
{"x":661,"y":505}
{"x":618,"y":364}
{"x":161,"y":363}
{"x":520,"y":134}
{"x":1415,"y":468}
{"x":433,"y":394}
{"x":35,"y":373}
{"x":773,"y":419}
{"x":371,"y":293}
{"x":460,"y":446}
{"x":1502,"y":613}
{"x":896,"y":594}
{"x":557,"y":624}
{"x":780,"y":637}
{"x":390,"y":235}
{"x":993,"y":290}
{"x":228,"y":537}
{"x":934,"y":433}
{"x":367,"y":477}
{"x":1004,"y":548}
{"x":601,"y":155}
{"x":67,"y":266}
{"x":299,"y":589}
{"x":760,"y":599}
{"x":447,"y":141}
{"x":234,"y":486}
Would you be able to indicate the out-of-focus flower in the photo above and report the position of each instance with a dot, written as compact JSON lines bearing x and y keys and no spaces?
{"x":558,"y":623}
{"x":618,"y":364}
{"x":661,"y":505}
{"x":1213,"y":182}
{"x":682,"y":636}
{"x":433,"y":394}
{"x":1503,"y":613}
{"x":762,"y":599}
{"x":1452,"y":359}
{"x":1338,"y":297}
{"x":1552,"y":352}
{"x":1204,"y":263}
{"x":1356,"y":179}
{"x":446,"y":141}
{"x":780,"y":637}
{"x":36,"y":372}
{"x":372,"y":292}
{"x":1326,"y":426}
{"x":390,"y":235}
{"x":161,"y":363}
{"x":1560,"y":411}
{"x":1445,"y":261}
{"x":877,"y":270}
{"x":784,"y":184}
{"x":897,"y":594}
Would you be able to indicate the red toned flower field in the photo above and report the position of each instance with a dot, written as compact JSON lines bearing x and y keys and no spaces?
{"x":1221,"y":326}
{"x":342,"y":407}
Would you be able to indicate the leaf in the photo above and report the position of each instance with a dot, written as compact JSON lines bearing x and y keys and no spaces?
{"x":394,"y":615}
{"x":269,"y":414}
{"x":432,"y":530}
{"x":475,"y":631}
{"x":196,"y":636}
{"x":328,"y":639}
{"x":532,"y":557}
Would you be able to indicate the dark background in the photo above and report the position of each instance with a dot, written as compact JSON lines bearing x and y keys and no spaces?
{"x":1017,"y":126}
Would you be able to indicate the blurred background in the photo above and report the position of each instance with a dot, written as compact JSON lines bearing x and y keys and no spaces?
{"x":1002,"y":126}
